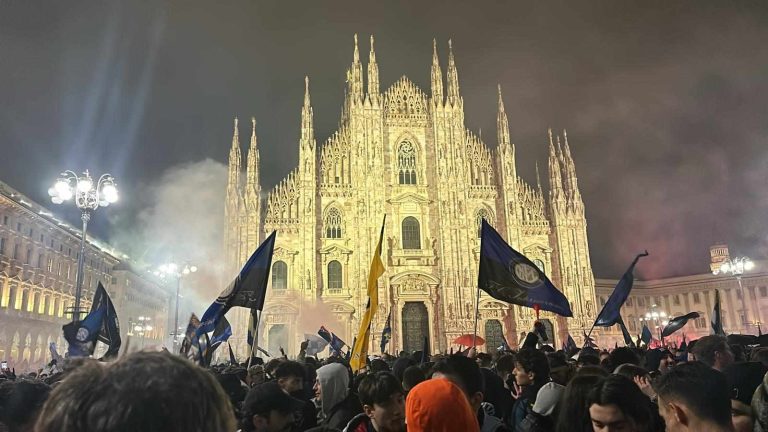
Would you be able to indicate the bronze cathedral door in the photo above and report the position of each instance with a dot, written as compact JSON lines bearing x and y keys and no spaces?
{"x":494,"y":335}
{"x":415,"y":326}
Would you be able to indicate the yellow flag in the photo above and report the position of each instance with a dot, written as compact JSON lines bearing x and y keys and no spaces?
{"x":360,"y":350}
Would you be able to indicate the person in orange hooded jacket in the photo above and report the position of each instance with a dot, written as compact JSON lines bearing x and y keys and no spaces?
{"x":438,"y":405}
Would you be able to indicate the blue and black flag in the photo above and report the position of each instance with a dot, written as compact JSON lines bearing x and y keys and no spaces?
{"x":509,"y":276}
{"x":611,"y":312}
{"x":646,"y":335}
{"x":336,"y":343}
{"x":247,"y":290}
{"x":101,"y":324}
{"x":187,"y":346}
{"x":221,"y":333}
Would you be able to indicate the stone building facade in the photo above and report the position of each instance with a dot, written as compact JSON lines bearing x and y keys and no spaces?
{"x":38,"y":265}
{"x":408,"y":155}
{"x":743,"y":308}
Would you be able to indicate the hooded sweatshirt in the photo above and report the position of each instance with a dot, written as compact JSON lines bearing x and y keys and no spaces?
{"x":438,"y":405}
{"x":337,"y":404}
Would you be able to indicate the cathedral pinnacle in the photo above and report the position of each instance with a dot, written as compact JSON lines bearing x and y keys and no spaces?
{"x":236,"y":136}
{"x":372,"y":55}
{"x":356,"y":55}
{"x":437,"y":76}
{"x":373,"y":75}
{"x":453,"y":77}
{"x":555,"y":175}
{"x":253,"y":132}
{"x":235,"y":164}
{"x":355,"y":76}
{"x":502,"y":124}
{"x":306,"y":92}
{"x":252,"y":167}
{"x":307,"y":128}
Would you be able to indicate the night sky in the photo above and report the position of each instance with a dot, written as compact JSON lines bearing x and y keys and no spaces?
{"x":665,"y":103}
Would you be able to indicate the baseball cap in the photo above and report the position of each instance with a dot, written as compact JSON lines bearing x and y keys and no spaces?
{"x":267,"y":397}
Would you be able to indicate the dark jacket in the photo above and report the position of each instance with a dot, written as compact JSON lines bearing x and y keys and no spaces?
{"x":341,"y":413}
{"x":524,"y":405}
{"x":536,"y":423}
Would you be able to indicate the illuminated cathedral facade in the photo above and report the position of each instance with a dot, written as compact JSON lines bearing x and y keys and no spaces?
{"x":408,"y":155}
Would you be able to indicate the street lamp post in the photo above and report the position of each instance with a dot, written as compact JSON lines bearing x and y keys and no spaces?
{"x":88,"y":197}
{"x":177,"y":271}
{"x":736,"y":267}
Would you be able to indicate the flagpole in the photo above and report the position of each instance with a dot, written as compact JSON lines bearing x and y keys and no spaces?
{"x":477,"y":313}
{"x":589,"y":335}
{"x":255,"y":339}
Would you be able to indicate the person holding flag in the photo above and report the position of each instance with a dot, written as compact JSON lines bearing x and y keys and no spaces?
{"x":101,"y":324}
{"x":611,"y":312}
{"x":248,"y":290}
{"x":360,"y":349}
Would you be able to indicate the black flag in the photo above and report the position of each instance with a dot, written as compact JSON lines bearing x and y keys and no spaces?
{"x":627,"y":338}
{"x":676,"y":324}
{"x":717,"y":321}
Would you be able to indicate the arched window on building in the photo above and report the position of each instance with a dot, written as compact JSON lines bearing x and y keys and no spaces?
{"x":335,"y":279}
{"x":333,"y":223}
{"x":481,"y":214}
{"x":279,"y":275}
{"x":406,"y":163}
{"x":411,"y":233}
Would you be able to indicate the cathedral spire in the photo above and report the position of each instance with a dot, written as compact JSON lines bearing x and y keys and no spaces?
{"x":235,"y":165}
{"x":453,"y":78}
{"x":252,"y":185}
{"x":355,"y":76}
{"x":571,"y":182}
{"x":307,"y":127}
{"x":252,"y":169}
{"x":502,"y":125}
{"x":437,"y":76}
{"x":373,"y":75}
{"x":555,"y":177}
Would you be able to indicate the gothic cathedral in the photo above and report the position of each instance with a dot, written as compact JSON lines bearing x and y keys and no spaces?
{"x":409,"y":156}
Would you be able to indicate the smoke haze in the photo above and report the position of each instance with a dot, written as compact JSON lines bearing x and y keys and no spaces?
{"x":180,"y":218}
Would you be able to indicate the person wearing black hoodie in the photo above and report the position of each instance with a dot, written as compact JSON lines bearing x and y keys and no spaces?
{"x":531,"y":373}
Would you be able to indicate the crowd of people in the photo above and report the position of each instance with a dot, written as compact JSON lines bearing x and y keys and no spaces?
{"x":710,"y":386}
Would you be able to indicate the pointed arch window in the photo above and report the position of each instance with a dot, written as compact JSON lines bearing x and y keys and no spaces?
{"x":333,"y":223}
{"x":406,"y":163}
{"x":481,"y":214}
{"x":279,"y":275}
{"x":335,"y":279}
{"x":411,"y":233}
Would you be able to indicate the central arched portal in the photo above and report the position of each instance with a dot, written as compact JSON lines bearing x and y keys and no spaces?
{"x":278,"y":337}
{"x":494,"y":335}
{"x":550,"y":330}
{"x":415,"y":326}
